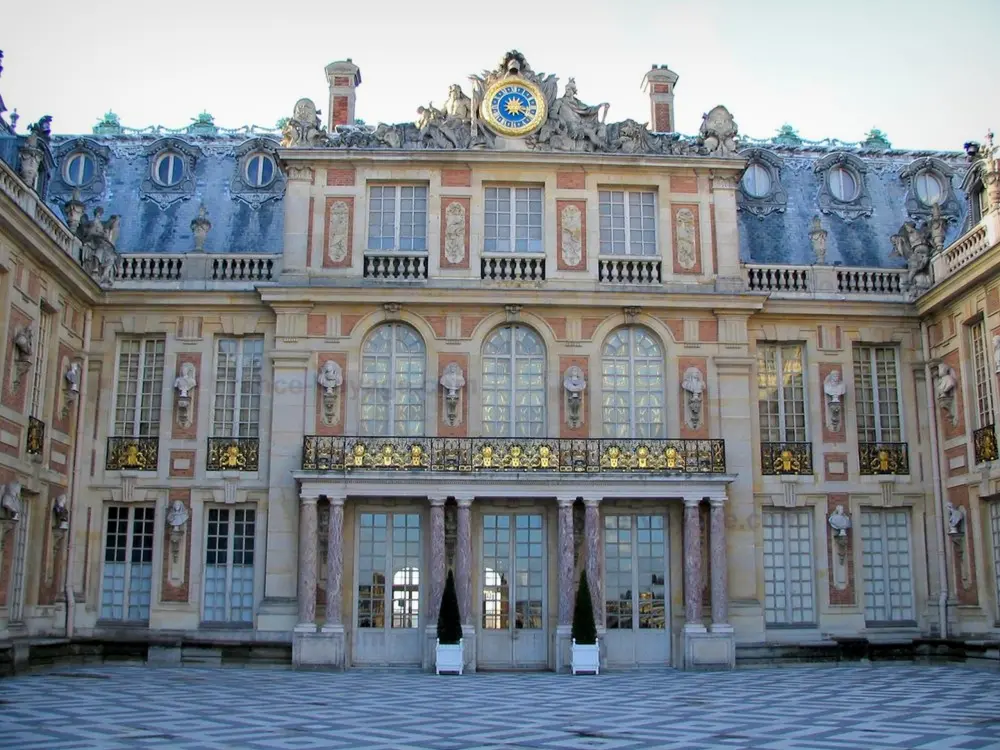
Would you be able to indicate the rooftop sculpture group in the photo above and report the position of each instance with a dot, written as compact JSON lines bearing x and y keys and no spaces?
{"x":569,"y":124}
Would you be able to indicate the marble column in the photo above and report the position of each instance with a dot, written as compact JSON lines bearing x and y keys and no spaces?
{"x":720,"y":581}
{"x":463,"y":560}
{"x":566,"y":560}
{"x":308,"y":542}
{"x":437,"y":567}
{"x":335,"y":564}
{"x":592,"y":533}
{"x":692,"y":561}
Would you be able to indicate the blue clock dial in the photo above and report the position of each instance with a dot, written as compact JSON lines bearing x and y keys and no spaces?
{"x":513,"y":107}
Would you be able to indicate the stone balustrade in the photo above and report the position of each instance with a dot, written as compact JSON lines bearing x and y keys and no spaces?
{"x":630,"y":270}
{"x":881,"y":284}
{"x":195,"y":270}
{"x":395,"y":266}
{"x":513,"y":267}
{"x":12,"y":186}
{"x":971,"y":245}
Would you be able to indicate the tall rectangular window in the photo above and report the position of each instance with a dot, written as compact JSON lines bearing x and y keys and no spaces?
{"x":995,"y":535}
{"x":139,"y":388}
{"x":981,"y":374}
{"x":628,"y":222}
{"x":238,"y":369}
{"x":513,"y":220}
{"x":41,"y":357}
{"x":127,"y":580}
{"x":885,"y":552}
{"x":781,"y":398}
{"x":229,"y":560}
{"x":397,"y":217}
{"x":789,"y":588}
{"x":876,"y":386}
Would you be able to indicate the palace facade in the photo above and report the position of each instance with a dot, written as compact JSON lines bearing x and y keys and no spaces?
{"x":263,"y":388}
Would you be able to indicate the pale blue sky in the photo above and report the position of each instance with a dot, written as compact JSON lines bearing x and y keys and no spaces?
{"x":920,"y":70}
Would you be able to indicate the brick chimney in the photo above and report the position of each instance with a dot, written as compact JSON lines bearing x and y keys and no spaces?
{"x":344,"y":77}
{"x":659,"y":82}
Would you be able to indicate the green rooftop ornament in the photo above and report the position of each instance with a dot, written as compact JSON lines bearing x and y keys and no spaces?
{"x":203,"y":124}
{"x":787,"y":136}
{"x":876,"y":139}
{"x":108,"y":125}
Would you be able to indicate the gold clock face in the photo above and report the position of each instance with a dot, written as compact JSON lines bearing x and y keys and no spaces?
{"x":513,"y":106}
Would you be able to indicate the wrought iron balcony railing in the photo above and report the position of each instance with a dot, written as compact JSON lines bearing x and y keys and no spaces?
{"x":786,"y":458}
{"x":36,"y":436}
{"x":984,"y":442}
{"x":233,"y":454}
{"x":883,"y":458}
{"x":132,"y":453}
{"x":668,"y":456}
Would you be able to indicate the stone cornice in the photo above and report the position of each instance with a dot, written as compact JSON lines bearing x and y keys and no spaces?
{"x":979,"y":271}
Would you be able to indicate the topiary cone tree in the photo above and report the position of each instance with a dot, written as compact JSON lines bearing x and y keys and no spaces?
{"x":584,"y":629}
{"x":449,"y":631}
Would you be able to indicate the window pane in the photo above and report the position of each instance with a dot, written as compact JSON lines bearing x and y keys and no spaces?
{"x":513,"y":389}
{"x":392,"y":382}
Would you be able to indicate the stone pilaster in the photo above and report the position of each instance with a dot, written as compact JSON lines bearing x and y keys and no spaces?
{"x":437,"y":566}
{"x":592,"y":533}
{"x":692,"y":562}
{"x":308,"y":542}
{"x":463,"y":560}
{"x":566,"y":560}
{"x":720,"y":577}
{"x":335,"y":566}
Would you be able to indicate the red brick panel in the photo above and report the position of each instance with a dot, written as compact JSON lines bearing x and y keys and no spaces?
{"x":171,"y":593}
{"x":583,"y":431}
{"x":341,"y":110}
{"x":321,"y":427}
{"x":841,"y":597}
{"x":683,"y":363}
{"x":343,"y":81}
{"x":456,"y":178}
{"x":992,"y":300}
{"x":661,"y":118}
{"x":833,"y":472}
{"x":439,"y":324}
{"x":571,"y":180}
{"x":677,"y":328}
{"x":316,"y":324}
{"x":53,"y":550}
{"x":708,"y":330}
{"x":683,"y":183}
{"x":59,"y":456}
{"x":181,"y":464}
{"x":588,"y":326}
{"x":558,"y":326}
{"x":469,"y":324}
{"x":348,"y":321}
{"x":461,"y":429}
{"x":340,"y":176}
{"x":11,"y":440}
{"x":564,"y":235}
{"x":959,"y":451}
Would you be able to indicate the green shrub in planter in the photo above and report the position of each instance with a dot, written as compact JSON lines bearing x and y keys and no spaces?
{"x":584,"y":629}
{"x":449,"y":626}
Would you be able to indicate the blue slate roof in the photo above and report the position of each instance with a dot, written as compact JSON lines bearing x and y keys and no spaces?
{"x":155,"y":219}
{"x":776,"y":229}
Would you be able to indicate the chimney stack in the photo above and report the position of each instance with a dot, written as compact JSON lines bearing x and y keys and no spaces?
{"x":344,"y":77}
{"x":659,"y":82}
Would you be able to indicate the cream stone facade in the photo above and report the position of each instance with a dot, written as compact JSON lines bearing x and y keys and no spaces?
{"x":385,"y":353}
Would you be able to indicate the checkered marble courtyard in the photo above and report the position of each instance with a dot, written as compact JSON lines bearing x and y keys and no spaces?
{"x":842,"y":708}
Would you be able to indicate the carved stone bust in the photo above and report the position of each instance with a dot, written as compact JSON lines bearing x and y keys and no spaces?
{"x":693,"y":386}
{"x":10,"y":501}
{"x":574,"y":381}
{"x":839,"y":521}
{"x":186,"y":382}
{"x":330,"y":377}
{"x":834,"y":389}
{"x":996,"y":353}
{"x":956,"y":518}
{"x":452,"y":380}
{"x":945,"y":384}
{"x":72,"y":377}
{"x":60,"y":513}
{"x":24,"y":345}
{"x":177,"y":515}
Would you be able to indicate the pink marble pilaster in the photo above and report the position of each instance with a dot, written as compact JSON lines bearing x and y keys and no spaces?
{"x":720,"y":581}
{"x":592,"y":533}
{"x":463,"y":560}
{"x":566,"y":560}
{"x":437,"y":557}
{"x":692,"y":561}
{"x":308,"y":542}
{"x":335,"y":562}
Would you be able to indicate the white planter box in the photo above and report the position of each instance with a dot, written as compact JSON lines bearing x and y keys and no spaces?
{"x":450,"y":657}
{"x":586,"y":658}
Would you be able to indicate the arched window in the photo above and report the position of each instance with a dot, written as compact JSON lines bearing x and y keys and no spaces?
{"x":392,"y":382}
{"x":632,"y":385}
{"x":514,"y":383}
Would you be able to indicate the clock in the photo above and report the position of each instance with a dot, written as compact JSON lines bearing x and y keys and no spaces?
{"x":513,"y":106}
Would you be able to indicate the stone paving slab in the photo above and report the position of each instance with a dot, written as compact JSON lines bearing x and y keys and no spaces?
{"x":880,"y":707}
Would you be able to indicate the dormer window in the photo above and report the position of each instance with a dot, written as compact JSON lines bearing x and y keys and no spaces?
{"x":757,"y":181}
{"x":929,"y":189}
{"x":843,"y":184}
{"x":168,"y":169}
{"x":259,"y":170}
{"x":79,"y":169}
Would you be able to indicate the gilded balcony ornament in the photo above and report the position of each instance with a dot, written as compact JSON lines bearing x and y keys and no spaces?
{"x":984,"y":443}
{"x":545,"y":456}
{"x":883,"y":458}
{"x":612,"y":457}
{"x":359,"y":454}
{"x":673,"y":459}
{"x":233,"y":454}
{"x":786,"y":458}
{"x":132,"y":454}
{"x":36,"y":436}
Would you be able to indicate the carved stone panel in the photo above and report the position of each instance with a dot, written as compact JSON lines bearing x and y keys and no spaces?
{"x":571,"y":235}
{"x":339,"y":232}
{"x":454,"y":232}
{"x":686,"y":239}
{"x":175,"y":584}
